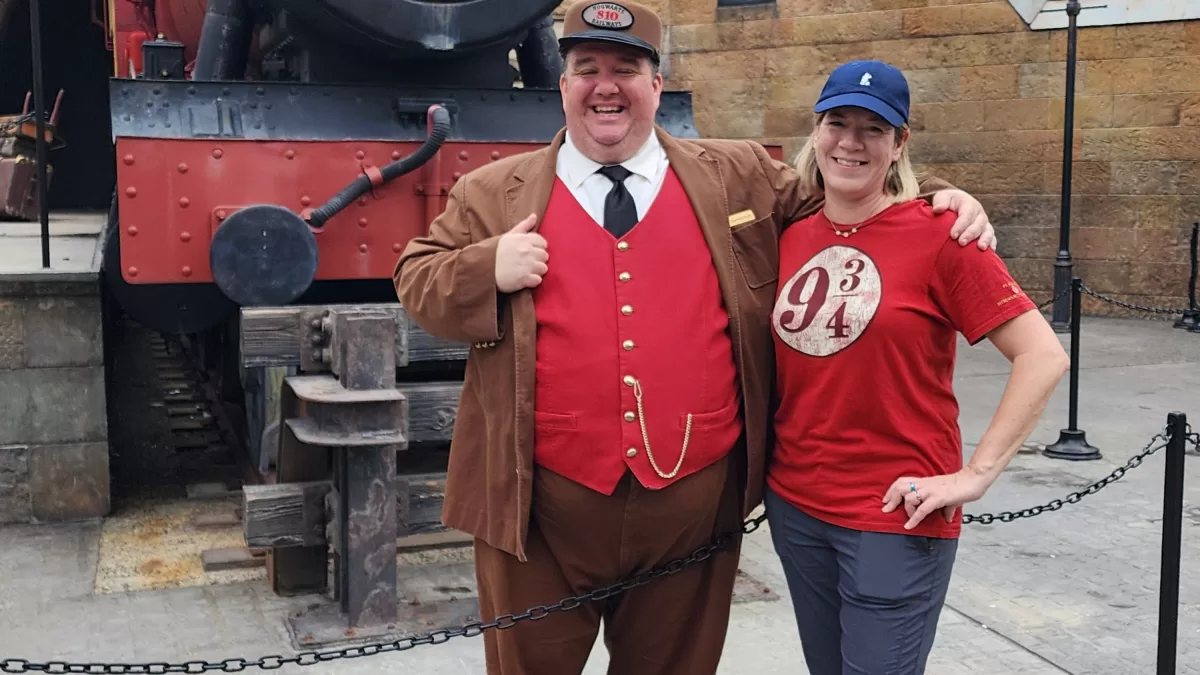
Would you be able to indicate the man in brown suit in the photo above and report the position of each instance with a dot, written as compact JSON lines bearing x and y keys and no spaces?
{"x":615,"y":410}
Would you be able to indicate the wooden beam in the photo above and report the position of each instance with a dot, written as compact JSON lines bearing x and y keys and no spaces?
{"x":293,"y":514}
{"x":432,"y":410}
{"x":275,"y":336}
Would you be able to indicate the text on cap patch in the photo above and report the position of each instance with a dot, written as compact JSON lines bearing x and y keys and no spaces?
{"x":607,"y":15}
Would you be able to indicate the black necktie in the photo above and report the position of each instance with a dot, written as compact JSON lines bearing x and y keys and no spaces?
{"x":620,"y":213}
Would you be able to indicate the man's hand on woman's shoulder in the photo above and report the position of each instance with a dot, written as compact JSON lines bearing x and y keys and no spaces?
{"x":972,"y":223}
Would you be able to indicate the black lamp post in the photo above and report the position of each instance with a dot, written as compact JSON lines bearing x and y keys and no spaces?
{"x":1064,"y":267}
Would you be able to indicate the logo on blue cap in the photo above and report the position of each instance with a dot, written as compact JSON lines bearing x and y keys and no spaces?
{"x":873,"y":85}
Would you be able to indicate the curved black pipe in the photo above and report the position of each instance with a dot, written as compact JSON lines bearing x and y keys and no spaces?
{"x":537,"y":56}
{"x":224,"y":41}
{"x":439,"y":128}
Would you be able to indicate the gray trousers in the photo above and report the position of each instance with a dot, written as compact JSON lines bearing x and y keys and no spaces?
{"x":866,"y":603}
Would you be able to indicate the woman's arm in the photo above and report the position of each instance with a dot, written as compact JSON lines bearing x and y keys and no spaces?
{"x":1039,"y":362}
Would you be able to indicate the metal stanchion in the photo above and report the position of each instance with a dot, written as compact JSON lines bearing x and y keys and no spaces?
{"x":1191,"y":316}
{"x":1168,"y":585}
{"x":1063,"y":265}
{"x":39,"y":112}
{"x":1072,"y":441}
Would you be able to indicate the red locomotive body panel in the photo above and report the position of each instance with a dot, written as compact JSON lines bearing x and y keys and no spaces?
{"x":174,"y":194}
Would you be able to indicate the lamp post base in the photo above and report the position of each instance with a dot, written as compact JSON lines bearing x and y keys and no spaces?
{"x":1072,"y":444}
{"x":1190,"y":320}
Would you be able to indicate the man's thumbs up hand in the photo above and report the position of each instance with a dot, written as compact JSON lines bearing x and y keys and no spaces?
{"x":521,"y":257}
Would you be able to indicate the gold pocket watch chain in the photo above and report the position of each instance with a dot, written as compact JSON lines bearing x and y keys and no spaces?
{"x":687,"y":434}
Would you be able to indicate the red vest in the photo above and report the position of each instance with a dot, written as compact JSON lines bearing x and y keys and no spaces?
{"x":617,"y":318}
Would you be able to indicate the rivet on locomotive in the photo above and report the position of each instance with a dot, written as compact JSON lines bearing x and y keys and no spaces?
{"x":273,"y":157}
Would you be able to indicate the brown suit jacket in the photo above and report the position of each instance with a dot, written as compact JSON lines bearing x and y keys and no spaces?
{"x":446,"y":282}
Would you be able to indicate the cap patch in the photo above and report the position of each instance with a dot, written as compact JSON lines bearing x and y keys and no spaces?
{"x":607,"y":15}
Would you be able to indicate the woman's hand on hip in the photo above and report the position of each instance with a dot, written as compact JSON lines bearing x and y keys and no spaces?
{"x":922,"y":496}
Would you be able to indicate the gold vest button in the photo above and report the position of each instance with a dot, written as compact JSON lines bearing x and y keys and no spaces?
{"x":622,"y":246}
{"x":627,"y":310}
{"x":632,"y":452}
{"x":629,"y":380}
{"x":624,"y":276}
{"x":629,"y":416}
{"x":628,"y":345}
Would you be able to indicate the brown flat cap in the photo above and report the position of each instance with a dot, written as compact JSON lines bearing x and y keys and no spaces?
{"x":627,"y":23}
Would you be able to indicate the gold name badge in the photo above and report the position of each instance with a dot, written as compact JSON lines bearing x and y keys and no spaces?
{"x":741,"y":218}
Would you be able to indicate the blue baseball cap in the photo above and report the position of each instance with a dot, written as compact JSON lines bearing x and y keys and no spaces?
{"x":873,"y":85}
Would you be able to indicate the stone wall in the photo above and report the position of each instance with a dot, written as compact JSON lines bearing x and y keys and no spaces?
{"x":53,"y":419}
{"x":987,"y":115}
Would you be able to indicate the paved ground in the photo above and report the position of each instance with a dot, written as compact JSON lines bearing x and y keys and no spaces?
{"x":74,"y":246}
{"x":1075,"y":591}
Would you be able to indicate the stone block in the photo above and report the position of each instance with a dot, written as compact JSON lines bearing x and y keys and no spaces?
{"x":842,"y":28}
{"x":721,"y":95}
{"x":788,"y":122}
{"x":1087,"y":178}
{"x":1189,"y":112}
{"x":1016,"y":114}
{"x":1170,"y":212}
{"x":69,"y":482}
{"x":1147,"y":110}
{"x":731,"y":124}
{"x":1021,"y":211}
{"x":987,"y":146}
{"x":793,"y":92}
{"x":1027,"y":242}
{"x":804,"y":60}
{"x":1164,"y":245}
{"x":12,"y":334}
{"x":1156,"y":39}
{"x":34,"y":404}
{"x":988,"y":82}
{"x":1104,"y":212}
{"x":934,"y":85}
{"x":953,"y":116}
{"x":1094,"y":43}
{"x":14,"y":484}
{"x":1189,"y":179}
{"x":700,"y":66}
{"x":1091,"y":112}
{"x":971,"y":19}
{"x":1103,"y":243}
{"x":1148,"y":278}
{"x":1177,"y":143}
{"x":1102,"y":145}
{"x":63,"y":332}
{"x":1145,"y":178}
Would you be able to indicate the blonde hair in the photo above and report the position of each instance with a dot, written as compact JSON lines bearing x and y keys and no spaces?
{"x":901,"y":181}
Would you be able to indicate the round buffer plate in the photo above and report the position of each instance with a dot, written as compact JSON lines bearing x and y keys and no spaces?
{"x":263,"y":255}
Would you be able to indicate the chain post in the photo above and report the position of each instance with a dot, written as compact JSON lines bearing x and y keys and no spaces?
{"x":1168,"y":591}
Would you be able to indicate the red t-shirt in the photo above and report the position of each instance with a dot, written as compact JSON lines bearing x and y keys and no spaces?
{"x":865,"y":332}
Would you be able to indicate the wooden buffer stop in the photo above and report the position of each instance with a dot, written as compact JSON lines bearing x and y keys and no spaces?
{"x":334,"y":508}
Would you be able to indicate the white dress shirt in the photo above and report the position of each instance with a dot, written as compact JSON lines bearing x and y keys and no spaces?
{"x":648,"y":167}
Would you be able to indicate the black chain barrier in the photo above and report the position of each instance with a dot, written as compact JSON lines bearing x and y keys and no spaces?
{"x":1128,"y":305}
{"x":506,"y":621}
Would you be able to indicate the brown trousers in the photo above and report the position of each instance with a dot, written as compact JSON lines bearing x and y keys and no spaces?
{"x":581,"y":540}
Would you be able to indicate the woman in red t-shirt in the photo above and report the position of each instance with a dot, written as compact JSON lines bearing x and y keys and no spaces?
{"x":867,"y":477}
